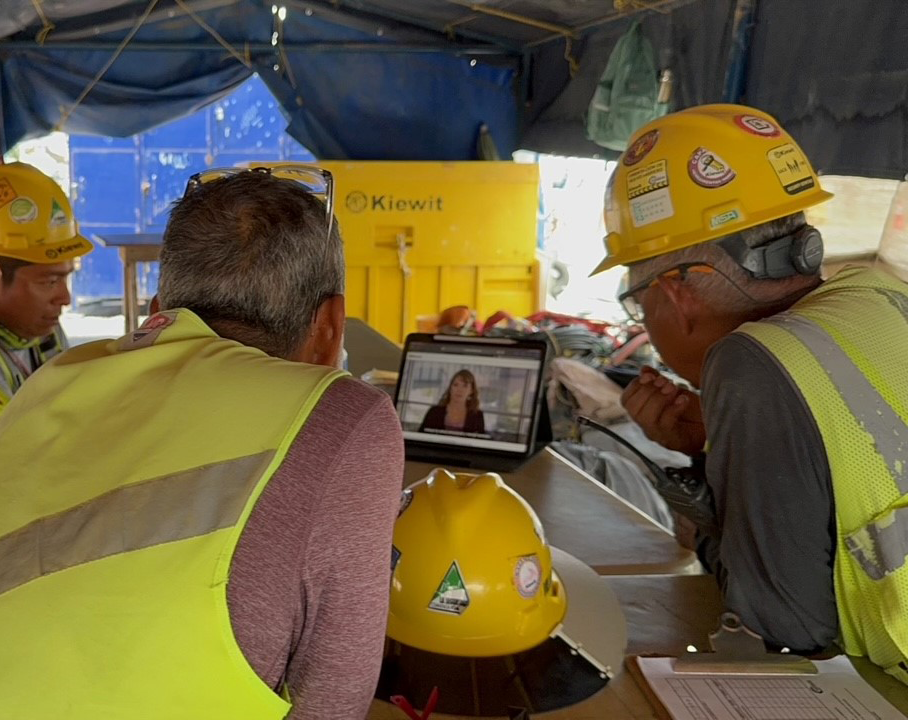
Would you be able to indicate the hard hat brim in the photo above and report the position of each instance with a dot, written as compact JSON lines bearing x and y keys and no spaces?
{"x":593,"y":632}
{"x":606,"y":264}
{"x":50,"y":253}
{"x":637,"y":254}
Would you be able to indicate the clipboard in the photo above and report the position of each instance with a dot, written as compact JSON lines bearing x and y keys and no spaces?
{"x":633,"y":668}
{"x":735,"y":651}
{"x":739,"y":678}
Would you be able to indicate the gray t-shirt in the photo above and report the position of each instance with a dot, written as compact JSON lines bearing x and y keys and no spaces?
{"x":770,"y":478}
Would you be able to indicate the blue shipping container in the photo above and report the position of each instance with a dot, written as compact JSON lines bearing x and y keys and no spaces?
{"x":127,"y":185}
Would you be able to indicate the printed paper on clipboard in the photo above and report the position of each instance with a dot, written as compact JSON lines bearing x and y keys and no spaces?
{"x":836,"y":691}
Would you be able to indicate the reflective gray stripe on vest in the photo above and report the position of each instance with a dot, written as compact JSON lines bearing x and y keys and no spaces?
{"x":165,"y":509}
{"x":888,"y":431}
{"x":881,"y":547}
{"x":6,"y":382}
{"x":11,"y":377}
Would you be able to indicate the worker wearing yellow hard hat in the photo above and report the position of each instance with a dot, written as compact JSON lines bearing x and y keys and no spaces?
{"x":803,"y":385}
{"x":39,"y":239}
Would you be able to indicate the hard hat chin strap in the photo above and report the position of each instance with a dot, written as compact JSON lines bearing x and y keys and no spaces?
{"x":800,"y":253}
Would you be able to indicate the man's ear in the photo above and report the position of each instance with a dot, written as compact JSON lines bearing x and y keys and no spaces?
{"x":155,"y":305}
{"x":325,"y":339}
{"x":684,"y":302}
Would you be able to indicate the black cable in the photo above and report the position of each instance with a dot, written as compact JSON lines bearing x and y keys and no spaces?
{"x":657,"y":471}
{"x":684,"y":489}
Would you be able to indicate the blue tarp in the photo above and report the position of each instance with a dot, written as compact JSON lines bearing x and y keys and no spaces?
{"x":366,"y":104}
{"x":36,"y":85}
{"x":369,"y":79}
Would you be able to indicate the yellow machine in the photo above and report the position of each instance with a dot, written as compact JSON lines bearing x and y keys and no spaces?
{"x":423,"y":236}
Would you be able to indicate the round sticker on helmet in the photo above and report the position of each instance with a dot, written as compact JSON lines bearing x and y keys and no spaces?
{"x":527,"y":575}
{"x":709,"y":170}
{"x":757,"y":125}
{"x":640,"y":148}
{"x":23,"y":210}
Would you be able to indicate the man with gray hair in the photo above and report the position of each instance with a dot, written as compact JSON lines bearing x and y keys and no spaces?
{"x":799,"y":424}
{"x":197,"y":517}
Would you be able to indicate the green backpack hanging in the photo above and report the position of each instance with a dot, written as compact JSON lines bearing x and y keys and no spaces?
{"x":627,"y":96}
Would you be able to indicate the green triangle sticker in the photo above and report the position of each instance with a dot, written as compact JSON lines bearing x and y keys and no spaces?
{"x":57,"y":214}
{"x":451,"y":596}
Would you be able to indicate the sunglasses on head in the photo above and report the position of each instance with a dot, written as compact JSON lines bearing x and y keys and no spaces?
{"x":313,"y":179}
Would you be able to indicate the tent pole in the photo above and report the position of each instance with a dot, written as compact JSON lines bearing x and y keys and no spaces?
{"x":318,"y":47}
{"x":741,"y":35}
{"x":3,"y":147}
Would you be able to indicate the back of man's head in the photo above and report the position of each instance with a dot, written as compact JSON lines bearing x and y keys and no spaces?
{"x":250,"y":255}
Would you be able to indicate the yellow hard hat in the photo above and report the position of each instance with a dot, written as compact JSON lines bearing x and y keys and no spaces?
{"x":700,"y":174}
{"x":36,"y":220}
{"x":472,"y":574}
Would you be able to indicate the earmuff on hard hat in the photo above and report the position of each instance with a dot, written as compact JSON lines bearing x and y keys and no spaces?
{"x":800,"y":253}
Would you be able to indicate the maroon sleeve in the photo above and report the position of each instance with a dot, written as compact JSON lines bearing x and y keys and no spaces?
{"x":308,"y":589}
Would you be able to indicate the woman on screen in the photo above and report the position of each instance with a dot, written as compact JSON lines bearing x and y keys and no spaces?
{"x":458,"y":410}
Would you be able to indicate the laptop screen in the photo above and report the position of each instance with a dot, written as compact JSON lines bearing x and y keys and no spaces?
{"x":480,"y":393}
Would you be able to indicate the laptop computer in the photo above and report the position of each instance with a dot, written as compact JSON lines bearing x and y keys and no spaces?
{"x":472,"y":402}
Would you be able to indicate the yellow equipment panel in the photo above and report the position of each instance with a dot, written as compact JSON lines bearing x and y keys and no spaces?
{"x":423,"y":236}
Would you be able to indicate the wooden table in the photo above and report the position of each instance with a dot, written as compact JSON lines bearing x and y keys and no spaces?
{"x":583,"y":517}
{"x":666,"y":604}
{"x":140,"y":247}
{"x":665,"y":614}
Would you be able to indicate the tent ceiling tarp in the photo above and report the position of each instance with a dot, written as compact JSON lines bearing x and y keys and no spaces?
{"x":370,"y":79}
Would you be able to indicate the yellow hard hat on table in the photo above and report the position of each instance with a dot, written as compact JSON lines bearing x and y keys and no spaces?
{"x":700,"y":174}
{"x":472,"y":573}
{"x":36,"y":219}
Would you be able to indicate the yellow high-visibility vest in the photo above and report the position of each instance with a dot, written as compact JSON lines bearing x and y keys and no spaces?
{"x":128,"y":469}
{"x":845,"y":345}
{"x":40,"y":351}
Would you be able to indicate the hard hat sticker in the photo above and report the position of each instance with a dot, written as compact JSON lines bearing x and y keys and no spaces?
{"x":651,"y":208}
{"x":723,"y":218}
{"x":452,"y":596}
{"x":7,"y":192}
{"x":640,"y":148}
{"x":709,"y":170}
{"x":527,"y":575}
{"x":792,"y":168}
{"x":647,"y":179}
{"x":757,"y":126}
{"x":23,"y":210}
{"x":57,"y":214}
{"x":648,"y":195}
